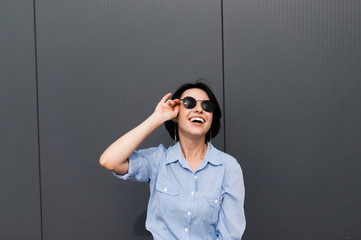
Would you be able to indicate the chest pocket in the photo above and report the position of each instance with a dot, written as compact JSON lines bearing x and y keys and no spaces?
{"x":167,"y":194}
{"x":212,"y":206}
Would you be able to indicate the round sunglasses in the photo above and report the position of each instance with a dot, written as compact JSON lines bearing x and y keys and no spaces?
{"x":190,"y":103}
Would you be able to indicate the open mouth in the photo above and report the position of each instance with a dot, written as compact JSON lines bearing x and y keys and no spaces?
{"x":197,"y":120}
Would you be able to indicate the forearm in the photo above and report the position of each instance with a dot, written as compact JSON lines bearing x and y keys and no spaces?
{"x":115,"y":157}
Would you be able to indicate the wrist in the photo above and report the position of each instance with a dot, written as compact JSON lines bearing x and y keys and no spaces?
{"x":155,"y":120}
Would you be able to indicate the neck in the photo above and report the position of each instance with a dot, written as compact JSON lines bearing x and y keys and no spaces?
{"x":193,"y":148}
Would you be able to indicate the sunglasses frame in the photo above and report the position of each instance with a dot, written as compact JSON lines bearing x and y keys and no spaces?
{"x":211,"y":106}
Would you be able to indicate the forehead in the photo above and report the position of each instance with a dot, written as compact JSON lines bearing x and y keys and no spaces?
{"x":196,"y":93}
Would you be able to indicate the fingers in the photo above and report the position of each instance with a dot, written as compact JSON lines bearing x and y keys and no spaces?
{"x":167,"y":109}
{"x":170,"y":102}
{"x":173,"y":103}
{"x":176,"y":108}
{"x":164,"y":99}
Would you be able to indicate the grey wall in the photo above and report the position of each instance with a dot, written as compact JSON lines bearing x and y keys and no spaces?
{"x":75,"y":75}
{"x":103,"y":66}
{"x":20,"y":205}
{"x":293,"y":115}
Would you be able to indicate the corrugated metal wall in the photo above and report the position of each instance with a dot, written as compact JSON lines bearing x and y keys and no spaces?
{"x":20,"y":206}
{"x":293,"y":115}
{"x":75,"y":75}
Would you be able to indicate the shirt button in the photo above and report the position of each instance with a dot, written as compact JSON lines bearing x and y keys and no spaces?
{"x":188,"y":213}
{"x":192,"y":193}
{"x":195,"y":177}
{"x":165,"y":189}
{"x":186,"y":229}
{"x":215,"y":201}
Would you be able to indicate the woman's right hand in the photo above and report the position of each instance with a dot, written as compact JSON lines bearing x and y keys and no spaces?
{"x":167,"y":109}
{"x":115,"y":157}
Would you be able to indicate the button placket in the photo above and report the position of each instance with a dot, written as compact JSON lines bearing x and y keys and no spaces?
{"x":194,"y":184}
{"x":192,"y":199}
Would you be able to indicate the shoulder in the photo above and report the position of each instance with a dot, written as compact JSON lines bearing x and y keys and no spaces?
{"x":226,"y":159}
{"x":151,"y":154}
{"x":152,"y":150}
{"x":158,"y":153}
{"x":233,"y":175}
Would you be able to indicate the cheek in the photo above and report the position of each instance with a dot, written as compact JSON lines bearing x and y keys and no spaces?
{"x":182,"y":116}
{"x":210,"y":121}
{"x":210,"y":118}
{"x":183,"y":112}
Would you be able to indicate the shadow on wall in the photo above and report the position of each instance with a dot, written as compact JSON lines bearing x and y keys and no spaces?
{"x":139,"y":226}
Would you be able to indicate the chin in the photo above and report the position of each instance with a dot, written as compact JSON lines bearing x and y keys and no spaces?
{"x":196,"y":134}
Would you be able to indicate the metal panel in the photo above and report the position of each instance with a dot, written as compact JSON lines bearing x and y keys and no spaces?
{"x":19,"y":161}
{"x":103,"y":66}
{"x":293,"y":94}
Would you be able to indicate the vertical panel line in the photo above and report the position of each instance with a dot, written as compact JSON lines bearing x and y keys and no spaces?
{"x":223,"y":83}
{"x":38,"y":125}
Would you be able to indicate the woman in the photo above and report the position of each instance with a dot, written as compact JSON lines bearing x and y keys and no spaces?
{"x":196,"y":191}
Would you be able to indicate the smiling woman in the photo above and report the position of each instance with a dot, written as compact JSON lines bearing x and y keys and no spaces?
{"x":196,"y":190}
{"x":209,"y":104}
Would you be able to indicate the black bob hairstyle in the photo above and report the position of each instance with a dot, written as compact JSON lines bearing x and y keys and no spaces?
{"x":172,"y":127}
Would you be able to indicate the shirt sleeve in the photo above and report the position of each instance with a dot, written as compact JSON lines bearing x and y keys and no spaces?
{"x":142,"y":164}
{"x":231,"y":221}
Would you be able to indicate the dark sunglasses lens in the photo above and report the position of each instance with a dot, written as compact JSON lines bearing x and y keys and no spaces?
{"x":208,"y":106}
{"x":189,"y":102}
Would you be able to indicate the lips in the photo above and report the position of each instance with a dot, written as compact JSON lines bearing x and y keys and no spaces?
{"x":197,"y":120}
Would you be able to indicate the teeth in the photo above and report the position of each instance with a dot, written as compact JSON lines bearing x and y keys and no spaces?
{"x":197,"y":119}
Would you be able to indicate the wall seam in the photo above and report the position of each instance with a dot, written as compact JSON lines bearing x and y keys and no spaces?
{"x":223,"y":82}
{"x":38,"y":124}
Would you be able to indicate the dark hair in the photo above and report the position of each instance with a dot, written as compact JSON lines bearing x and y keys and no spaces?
{"x":172,"y":127}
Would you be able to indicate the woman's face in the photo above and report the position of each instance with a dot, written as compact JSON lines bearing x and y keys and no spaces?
{"x":194,"y":122}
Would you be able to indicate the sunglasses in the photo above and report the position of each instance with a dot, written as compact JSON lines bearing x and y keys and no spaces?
{"x":190,"y":103}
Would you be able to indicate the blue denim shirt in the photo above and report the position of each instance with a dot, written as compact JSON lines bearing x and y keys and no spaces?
{"x":206,"y":204}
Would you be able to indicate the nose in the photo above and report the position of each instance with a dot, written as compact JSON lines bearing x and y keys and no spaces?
{"x":198,"y":107}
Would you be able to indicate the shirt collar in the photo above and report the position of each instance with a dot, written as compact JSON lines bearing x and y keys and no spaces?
{"x":175,"y":154}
